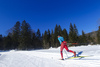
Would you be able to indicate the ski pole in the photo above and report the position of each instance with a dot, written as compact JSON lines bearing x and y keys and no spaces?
{"x":66,"y":53}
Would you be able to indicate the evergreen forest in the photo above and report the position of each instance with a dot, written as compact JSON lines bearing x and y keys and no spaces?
{"x":22,"y":37}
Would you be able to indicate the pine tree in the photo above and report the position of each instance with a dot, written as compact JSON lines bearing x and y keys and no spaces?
{"x":65,"y":34}
{"x":48,"y":37}
{"x":98,"y":36}
{"x":59,"y":30}
{"x":1,"y":42}
{"x":16,"y":34}
{"x":71,"y":34}
{"x":75,"y":34}
{"x":7,"y":42}
{"x":25,"y":38}
{"x":35,"y":43}
{"x":56,"y":33}
{"x":52,"y":38}
{"x":38,"y":41}
{"x":45,"y":40}
{"x":84,"y":38}
{"x":38,"y":34}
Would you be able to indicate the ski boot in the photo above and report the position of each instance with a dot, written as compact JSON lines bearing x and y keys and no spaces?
{"x":74,"y":54}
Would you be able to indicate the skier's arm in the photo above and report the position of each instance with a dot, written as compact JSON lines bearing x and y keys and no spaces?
{"x":60,"y":40}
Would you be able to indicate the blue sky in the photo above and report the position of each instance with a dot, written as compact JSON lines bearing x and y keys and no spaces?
{"x":45,"y":14}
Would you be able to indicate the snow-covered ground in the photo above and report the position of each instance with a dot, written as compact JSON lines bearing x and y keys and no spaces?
{"x":50,"y":57}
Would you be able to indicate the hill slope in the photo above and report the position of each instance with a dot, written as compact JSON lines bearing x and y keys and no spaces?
{"x":50,"y":58}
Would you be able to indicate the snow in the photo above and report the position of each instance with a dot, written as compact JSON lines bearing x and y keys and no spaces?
{"x":50,"y":57}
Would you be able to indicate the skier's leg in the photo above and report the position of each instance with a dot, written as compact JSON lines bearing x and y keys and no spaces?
{"x":70,"y":50}
{"x":61,"y":49}
{"x":65,"y":46}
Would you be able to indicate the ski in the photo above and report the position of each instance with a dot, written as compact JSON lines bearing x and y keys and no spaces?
{"x":76,"y":57}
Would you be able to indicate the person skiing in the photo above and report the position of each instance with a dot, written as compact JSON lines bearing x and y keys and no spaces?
{"x":64,"y":45}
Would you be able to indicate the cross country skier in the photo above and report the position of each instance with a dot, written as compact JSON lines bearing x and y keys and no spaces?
{"x":64,"y":45}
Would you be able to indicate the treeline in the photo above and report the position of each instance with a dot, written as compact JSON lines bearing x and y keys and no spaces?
{"x":22,"y":37}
